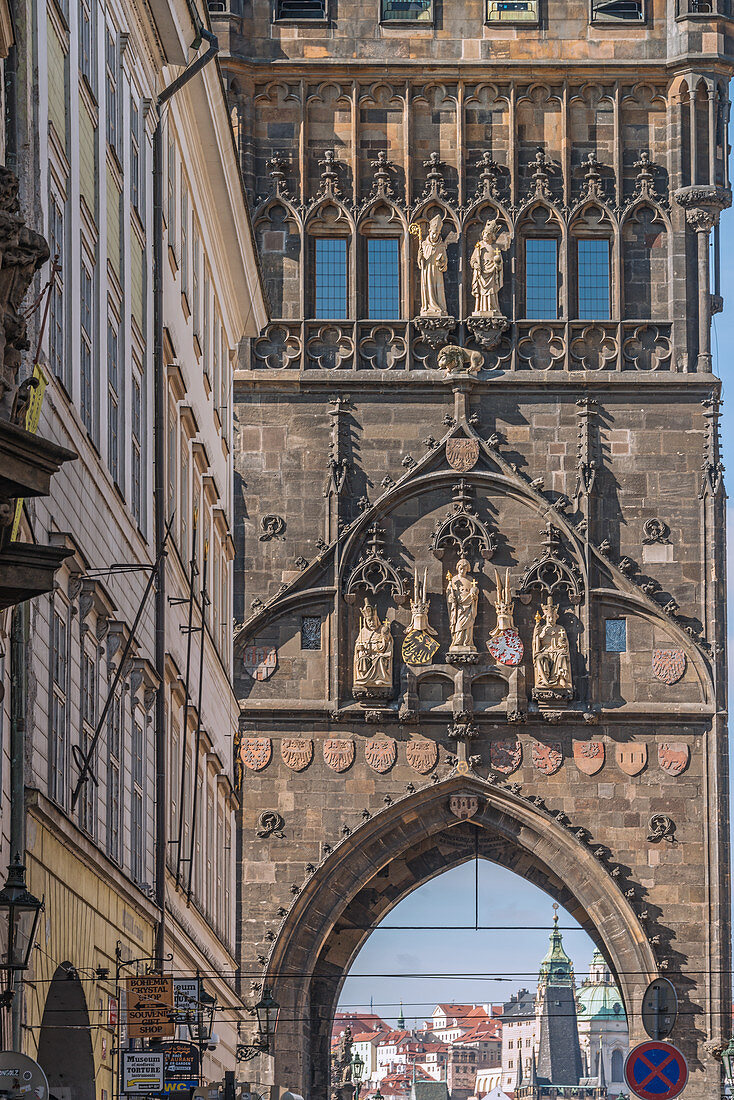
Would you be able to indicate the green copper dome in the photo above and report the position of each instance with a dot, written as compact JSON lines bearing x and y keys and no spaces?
{"x":598,"y":996}
{"x":556,"y":967}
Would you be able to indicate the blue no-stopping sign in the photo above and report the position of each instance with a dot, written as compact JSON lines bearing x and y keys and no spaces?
{"x":656,"y":1071}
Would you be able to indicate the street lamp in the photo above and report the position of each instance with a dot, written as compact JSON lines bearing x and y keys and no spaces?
{"x":267,"y":1011}
{"x":357,"y":1071}
{"x":727,"y":1059}
{"x":19,"y":914}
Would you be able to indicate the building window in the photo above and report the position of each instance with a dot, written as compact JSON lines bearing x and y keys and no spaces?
{"x":311,"y":632}
{"x":113,"y":399}
{"x":58,"y":770}
{"x":136,"y":442}
{"x":186,"y":550}
{"x":383,"y":278}
{"x":617,"y":1065}
{"x":297,"y":10}
{"x":331,"y":278}
{"x":137,"y":851}
{"x":206,"y":335}
{"x":112,"y":106}
{"x":56,"y":320}
{"x":87,"y":342}
{"x":541,"y":277}
{"x":134,"y":155}
{"x":86,"y":38}
{"x":195,"y":264}
{"x":410,"y":11}
{"x":171,"y":205}
{"x":512,"y":11}
{"x":217,"y":362}
{"x":618,"y":11}
{"x":616,"y":635}
{"x":89,"y":718}
{"x":593,"y":278}
{"x":171,"y":460}
{"x":184,"y":239}
{"x":114,"y":747}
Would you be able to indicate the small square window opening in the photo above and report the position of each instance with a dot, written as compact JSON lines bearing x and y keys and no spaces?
{"x":616,"y":630}
{"x":311,"y":632}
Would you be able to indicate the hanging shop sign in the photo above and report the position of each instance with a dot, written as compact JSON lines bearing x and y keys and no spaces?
{"x":142,"y":1071}
{"x":181,"y":1060}
{"x":150,"y":1012}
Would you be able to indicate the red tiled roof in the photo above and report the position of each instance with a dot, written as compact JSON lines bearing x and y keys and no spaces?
{"x":460,"y":1011}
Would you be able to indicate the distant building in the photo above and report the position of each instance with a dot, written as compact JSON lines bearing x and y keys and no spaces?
{"x":602,"y":1024}
{"x":449,"y":1021}
{"x":519,"y":1035}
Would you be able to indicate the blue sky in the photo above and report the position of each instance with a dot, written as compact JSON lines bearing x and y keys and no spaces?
{"x":504,"y":898}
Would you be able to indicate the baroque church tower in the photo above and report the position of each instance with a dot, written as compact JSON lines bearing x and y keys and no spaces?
{"x":480,"y":551}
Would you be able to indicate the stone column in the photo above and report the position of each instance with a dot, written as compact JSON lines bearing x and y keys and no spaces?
{"x":703,"y":205}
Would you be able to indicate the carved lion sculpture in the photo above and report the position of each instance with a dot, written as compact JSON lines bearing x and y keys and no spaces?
{"x":456,"y":360}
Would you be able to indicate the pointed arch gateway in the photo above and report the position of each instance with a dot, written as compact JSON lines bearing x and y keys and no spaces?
{"x":396,"y":851}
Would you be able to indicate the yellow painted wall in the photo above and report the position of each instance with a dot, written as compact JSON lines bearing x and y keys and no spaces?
{"x":84,"y":918}
{"x":87,"y":158}
{"x":56,"y":83}
{"x":114,"y":200}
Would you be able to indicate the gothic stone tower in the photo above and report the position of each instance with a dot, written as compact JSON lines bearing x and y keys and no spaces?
{"x":564,"y":718}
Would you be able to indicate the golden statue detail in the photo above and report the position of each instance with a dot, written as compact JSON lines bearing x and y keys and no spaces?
{"x":462,"y":599}
{"x":551,"y":656}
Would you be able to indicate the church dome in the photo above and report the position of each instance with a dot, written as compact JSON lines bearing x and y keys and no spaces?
{"x":595,"y":999}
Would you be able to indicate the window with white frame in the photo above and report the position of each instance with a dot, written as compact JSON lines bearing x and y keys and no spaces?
{"x":206,"y":334}
{"x":171,"y":193}
{"x":186,"y":815}
{"x":171,"y":461}
{"x":88,"y":709}
{"x":112,"y":105}
{"x":195,"y":266}
{"x":114,"y":412}
{"x":114,"y":779}
{"x":57,"y":305}
{"x":216,"y":590}
{"x":86,"y":324}
{"x":174,"y":792}
{"x":86,"y":40}
{"x":135,"y":180}
{"x":198,"y":879}
{"x":224,"y":640}
{"x":227,"y":857}
{"x":137,"y":438}
{"x":218,"y":907}
{"x":210,"y":853}
{"x":185,"y":502}
{"x":217,"y":364}
{"x":58,"y":725}
{"x":137,"y":801}
{"x":184,"y":239}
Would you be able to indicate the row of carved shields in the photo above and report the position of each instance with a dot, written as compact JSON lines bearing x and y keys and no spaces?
{"x":339,"y":753}
{"x":506,"y":756}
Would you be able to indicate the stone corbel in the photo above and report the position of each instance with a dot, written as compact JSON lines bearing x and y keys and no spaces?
{"x":703,"y":206}
{"x":143,"y":682}
{"x":117,"y":635}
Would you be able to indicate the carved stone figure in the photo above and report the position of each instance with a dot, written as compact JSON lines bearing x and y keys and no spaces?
{"x":462,"y":598}
{"x":432,"y":263}
{"x":505,"y":643}
{"x":420,"y":645}
{"x":487,"y":273}
{"x":373,"y":655}
{"x":456,"y":360}
{"x":551,"y":656}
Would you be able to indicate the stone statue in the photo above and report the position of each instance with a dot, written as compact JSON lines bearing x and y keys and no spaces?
{"x":455,"y":360}
{"x":504,"y":642}
{"x":420,"y":645}
{"x":551,"y":656}
{"x":432,"y":263}
{"x":462,"y":598}
{"x":487,"y":273}
{"x":373,"y":654}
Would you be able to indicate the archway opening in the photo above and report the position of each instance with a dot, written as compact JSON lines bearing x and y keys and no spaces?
{"x":65,"y":1043}
{"x":450,"y":987}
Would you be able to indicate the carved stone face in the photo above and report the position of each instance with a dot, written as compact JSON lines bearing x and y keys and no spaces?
{"x":463,"y":567}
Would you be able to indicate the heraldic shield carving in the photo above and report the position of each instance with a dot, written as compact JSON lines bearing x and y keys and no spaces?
{"x":505,"y":756}
{"x":668,"y":664}
{"x":381,"y":753}
{"x":589,"y":756}
{"x":339,"y":753}
{"x":673,"y":757}
{"x":422,"y":755}
{"x":548,"y":758}
{"x":464,"y":806}
{"x":256,"y":752}
{"x":631,"y":759}
{"x":260,"y":662}
{"x":462,"y":454}
{"x":297,"y":752}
